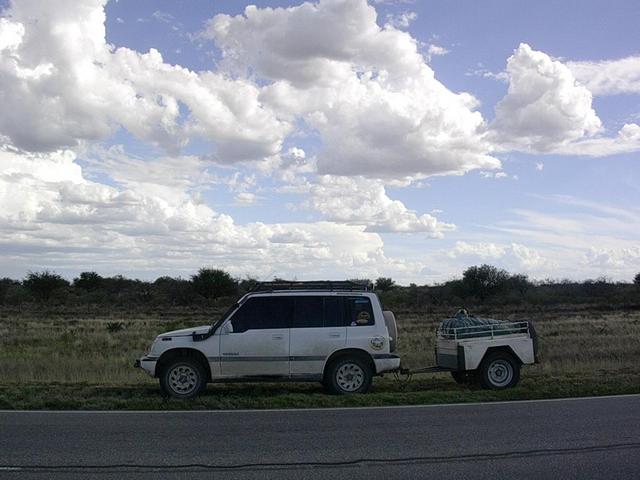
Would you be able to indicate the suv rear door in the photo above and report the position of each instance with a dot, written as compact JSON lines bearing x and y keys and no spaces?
{"x":259,"y":344}
{"x":317,"y":329}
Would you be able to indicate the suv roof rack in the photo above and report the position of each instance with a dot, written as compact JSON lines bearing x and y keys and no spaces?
{"x":346,"y":285}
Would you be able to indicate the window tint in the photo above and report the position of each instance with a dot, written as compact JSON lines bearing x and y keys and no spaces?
{"x":263,"y":313}
{"x":316,"y":311}
{"x":307,"y":312}
{"x":359,"y":311}
{"x":333,"y":312}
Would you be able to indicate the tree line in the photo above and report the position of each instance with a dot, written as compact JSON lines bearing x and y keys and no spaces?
{"x":479,"y":285}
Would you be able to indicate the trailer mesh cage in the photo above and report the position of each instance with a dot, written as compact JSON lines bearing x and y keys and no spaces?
{"x":463,"y":325}
{"x":347,"y":285}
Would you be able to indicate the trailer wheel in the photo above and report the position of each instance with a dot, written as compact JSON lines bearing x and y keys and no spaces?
{"x":464,"y":377}
{"x":499,"y":370}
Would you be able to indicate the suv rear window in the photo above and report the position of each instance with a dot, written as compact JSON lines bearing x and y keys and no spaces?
{"x":359,"y":311}
{"x":260,"y":313}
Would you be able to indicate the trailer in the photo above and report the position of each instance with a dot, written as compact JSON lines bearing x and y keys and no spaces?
{"x":491,"y":353}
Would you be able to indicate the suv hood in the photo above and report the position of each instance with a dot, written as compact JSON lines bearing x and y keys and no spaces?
{"x":186,"y":332}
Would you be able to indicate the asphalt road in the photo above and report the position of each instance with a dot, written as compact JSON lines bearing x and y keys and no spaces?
{"x":581,"y":438}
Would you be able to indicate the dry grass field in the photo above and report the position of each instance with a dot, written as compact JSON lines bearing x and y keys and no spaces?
{"x":84,"y":360}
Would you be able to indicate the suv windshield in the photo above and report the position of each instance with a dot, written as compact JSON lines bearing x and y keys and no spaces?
{"x":224,"y":316}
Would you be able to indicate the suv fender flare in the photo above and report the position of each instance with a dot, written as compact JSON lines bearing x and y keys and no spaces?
{"x":348,"y":352}
{"x":174,"y":353}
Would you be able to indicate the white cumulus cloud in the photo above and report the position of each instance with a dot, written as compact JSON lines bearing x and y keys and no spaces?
{"x":627,"y":140}
{"x":545,"y":107}
{"x":609,"y":77}
{"x":54,"y":217}
{"x":361,"y":201}
{"x":513,"y":256}
{"x":61,"y":84}
{"x":366,"y":89}
{"x":402,"y":20}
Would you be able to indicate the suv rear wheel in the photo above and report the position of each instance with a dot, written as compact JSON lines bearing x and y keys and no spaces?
{"x":183,"y":378}
{"x":348,"y":375}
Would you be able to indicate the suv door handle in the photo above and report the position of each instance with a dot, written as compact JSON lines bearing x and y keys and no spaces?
{"x":277,"y":337}
{"x":335,"y":335}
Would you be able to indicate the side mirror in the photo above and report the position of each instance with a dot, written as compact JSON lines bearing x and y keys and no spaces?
{"x":226,"y":329}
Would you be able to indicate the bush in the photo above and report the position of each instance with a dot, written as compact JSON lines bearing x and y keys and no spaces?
{"x":483,"y":281}
{"x":43,"y":285}
{"x":213,"y":283}
{"x":113,"y":327}
{"x":12,"y":292}
{"x":174,"y":291}
{"x":247,"y":284}
{"x":89,"y":281}
{"x":384,"y":284}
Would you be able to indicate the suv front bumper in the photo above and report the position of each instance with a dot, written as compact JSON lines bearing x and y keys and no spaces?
{"x":148,"y":364}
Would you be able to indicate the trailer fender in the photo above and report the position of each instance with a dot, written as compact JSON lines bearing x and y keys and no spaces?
{"x":521,"y":349}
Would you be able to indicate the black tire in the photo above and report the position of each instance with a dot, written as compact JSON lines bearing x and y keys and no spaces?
{"x":499,"y":370}
{"x":464,"y":377}
{"x":183,"y":378}
{"x":326,"y":385}
{"x":348,"y":375}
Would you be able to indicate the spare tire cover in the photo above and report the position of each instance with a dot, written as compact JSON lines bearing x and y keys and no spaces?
{"x":392,"y":328}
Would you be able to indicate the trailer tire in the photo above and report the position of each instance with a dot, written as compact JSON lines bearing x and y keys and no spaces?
{"x":499,"y":370}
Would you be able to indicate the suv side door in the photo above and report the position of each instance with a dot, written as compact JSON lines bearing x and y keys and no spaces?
{"x":317,"y":330}
{"x":258,"y":344}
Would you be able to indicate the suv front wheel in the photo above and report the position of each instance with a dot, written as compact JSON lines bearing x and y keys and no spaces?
{"x":183,"y":378}
{"x":349,"y":375}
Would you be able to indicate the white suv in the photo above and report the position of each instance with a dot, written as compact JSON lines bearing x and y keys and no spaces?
{"x":332,"y":332}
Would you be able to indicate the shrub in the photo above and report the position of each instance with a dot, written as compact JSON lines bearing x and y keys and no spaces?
{"x":114,"y":327}
{"x":12,"y":292}
{"x":247,"y":284}
{"x":174,"y":291}
{"x":42,"y":285}
{"x":213,"y":283}
{"x":384,"y":284}
{"x":483,"y":281}
{"x":89,"y":281}
{"x":519,"y":283}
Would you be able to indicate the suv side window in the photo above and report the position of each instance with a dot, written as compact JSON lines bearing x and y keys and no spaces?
{"x":359,"y":311}
{"x":261,"y":313}
{"x":333,"y":312}
{"x":307,"y":312}
{"x":317,"y":312}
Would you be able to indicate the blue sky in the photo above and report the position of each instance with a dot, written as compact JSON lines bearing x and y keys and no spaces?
{"x":331,"y":139}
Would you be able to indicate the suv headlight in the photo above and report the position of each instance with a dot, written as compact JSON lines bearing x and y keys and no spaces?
{"x":155,"y":347}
